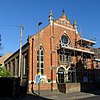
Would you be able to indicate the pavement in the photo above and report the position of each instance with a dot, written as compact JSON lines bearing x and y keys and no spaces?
{"x":55,"y":95}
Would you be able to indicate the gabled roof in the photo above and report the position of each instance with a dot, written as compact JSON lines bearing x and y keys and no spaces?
{"x":23,"y":47}
{"x":3,"y":58}
{"x":64,"y":21}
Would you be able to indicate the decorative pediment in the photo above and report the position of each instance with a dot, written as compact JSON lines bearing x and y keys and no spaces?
{"x":63,"y":20}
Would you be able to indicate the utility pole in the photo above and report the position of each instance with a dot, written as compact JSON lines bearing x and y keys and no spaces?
{"x":0,"y":41}
{"x":20,"y":51}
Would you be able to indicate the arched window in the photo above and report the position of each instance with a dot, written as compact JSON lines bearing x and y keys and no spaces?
{"x":41,"y":60}
{"x":65,"y":41}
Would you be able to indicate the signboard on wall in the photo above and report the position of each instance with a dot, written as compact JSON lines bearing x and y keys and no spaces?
{"x":37,"y":78}
{"x":41,"y":78}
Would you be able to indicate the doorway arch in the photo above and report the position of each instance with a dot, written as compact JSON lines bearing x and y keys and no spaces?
{"x":61,"y":72}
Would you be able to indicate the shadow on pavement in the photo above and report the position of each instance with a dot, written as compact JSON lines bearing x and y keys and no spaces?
{"x":27,"y":97}
{"x":35,"y":97}
{"x":96,"y":92}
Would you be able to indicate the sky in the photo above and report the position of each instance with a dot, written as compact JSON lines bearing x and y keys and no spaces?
{"x":13,"y":13}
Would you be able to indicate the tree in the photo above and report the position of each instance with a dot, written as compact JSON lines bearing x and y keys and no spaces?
{"x":4,"y":73}
{"x":0,"y":45}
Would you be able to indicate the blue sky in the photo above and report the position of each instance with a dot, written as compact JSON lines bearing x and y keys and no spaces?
{"x":13,"y":13}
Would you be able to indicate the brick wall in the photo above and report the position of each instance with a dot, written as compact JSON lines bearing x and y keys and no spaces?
{"x":69,"y":87}
{"x":43,"y":86}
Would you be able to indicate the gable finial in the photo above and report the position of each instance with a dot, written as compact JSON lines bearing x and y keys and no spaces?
{"x":51,"y":17}
{"x":63,"y":12}
{"x":50,"y":12}
{"x":75,"y":26}
{"x":75,"y":23}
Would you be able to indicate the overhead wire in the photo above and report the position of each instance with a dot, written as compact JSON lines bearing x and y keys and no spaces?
{"x":3,"y":25}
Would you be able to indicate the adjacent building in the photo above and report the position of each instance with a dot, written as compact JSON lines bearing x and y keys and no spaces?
{"x":57,"y":54}
{"x":3,"y":58}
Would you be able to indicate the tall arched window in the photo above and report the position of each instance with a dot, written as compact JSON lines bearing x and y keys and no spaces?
{"x":41,"y":60}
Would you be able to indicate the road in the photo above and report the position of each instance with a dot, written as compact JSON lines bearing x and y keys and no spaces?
{"x":59,"y":96}
{"x":91,"y":98}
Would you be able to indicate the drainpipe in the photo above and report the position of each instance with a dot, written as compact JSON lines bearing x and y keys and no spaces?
{"x":32,"y":67}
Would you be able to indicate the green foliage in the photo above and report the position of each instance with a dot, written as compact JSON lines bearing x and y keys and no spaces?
{"x":4,"y":73}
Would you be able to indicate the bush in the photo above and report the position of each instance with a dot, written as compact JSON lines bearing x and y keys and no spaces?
{"x":4,"y":73}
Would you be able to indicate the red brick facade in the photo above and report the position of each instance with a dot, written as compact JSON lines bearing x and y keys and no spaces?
{"x":65,"y":56}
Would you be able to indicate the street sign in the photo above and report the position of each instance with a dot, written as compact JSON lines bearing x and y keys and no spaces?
{"x":37,"y":78}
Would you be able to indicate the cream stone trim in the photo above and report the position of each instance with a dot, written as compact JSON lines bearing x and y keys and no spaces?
{"x":65,"y":32}
{"x":70,"y":48}
{"x":54,"y":81}
{"x":35,"y":81}
{"x":64,"y":19}
{"x":97,"y":60}
{"x":64,"y":27}
{"x":88,"y":40}
{"x":31,"y":81}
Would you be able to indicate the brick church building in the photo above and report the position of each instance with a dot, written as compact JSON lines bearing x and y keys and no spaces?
{"x":57,"y":54}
